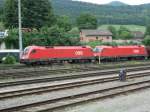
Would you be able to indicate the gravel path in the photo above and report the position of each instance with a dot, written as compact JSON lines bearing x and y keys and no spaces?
{"x":137,"y":102}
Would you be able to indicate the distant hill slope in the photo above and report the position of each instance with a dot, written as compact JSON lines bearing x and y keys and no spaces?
{"x":106,"y":14}
{"x":116,"y":3}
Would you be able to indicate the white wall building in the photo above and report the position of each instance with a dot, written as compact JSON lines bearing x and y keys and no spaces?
{"x":3,"y":34}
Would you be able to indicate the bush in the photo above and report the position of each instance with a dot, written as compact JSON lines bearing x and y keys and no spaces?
{"x":9,"y":60}
{"x":146,"y":40}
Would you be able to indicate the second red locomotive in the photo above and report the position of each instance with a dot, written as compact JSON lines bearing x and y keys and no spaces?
{"x":120,"y":52}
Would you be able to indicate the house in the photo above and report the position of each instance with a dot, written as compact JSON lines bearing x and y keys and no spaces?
{"x":93,"y":35}
{"x":138,"y":35}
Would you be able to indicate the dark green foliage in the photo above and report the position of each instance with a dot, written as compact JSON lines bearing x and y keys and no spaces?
{"x":46,"y":36}
{"x":9,"y":60}
{"x":10,"y":14}
{"x":147,"y":30}
{"x":87,"y":21}
{"x":124,"y":33}
{"x":106,"y":14}
{"x":98,"y":43}
{"x":113,"y":31}
{"x":12,"y":39}
{"x":64,"y":23}
{"x":74,"y":30}
{"x":146,"y":40}
{"x":35,"y":13}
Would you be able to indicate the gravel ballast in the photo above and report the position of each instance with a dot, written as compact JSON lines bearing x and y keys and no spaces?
{"x":135,"y":102}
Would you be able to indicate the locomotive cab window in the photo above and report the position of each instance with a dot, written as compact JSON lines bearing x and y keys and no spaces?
{"x":26,"y":50}
{"x":96,"y":50}
{"x":33,"y":51}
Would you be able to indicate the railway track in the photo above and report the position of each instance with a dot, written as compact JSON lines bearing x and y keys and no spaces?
{"x":71,"y":76}
{"x":29,"y":72}
{"x":16,"y":71}
{"x":56,"y":103}
{"x":62,"y":86}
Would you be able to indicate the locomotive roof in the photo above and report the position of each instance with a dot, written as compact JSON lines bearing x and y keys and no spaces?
{"x":133,"y":46}
{"x":60,"y":47}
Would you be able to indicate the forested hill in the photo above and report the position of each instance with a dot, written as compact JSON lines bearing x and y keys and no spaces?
{"x":106,"y":14}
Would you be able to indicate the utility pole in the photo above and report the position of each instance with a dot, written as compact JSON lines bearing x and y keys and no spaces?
{"x":20,"y":27}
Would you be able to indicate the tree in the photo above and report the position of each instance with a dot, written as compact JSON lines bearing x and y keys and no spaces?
{"x":10,"y":14}
{"x":147,"y":30}
{"x":124,"y":33}
{"x":45,"y":36}
{"x":35,"y":13}
{"x":64,"y":23}
{"x":113,"y":31}
{"x":122,"y":28}
{"x":87,"y":21}
{"x":146,"y":40}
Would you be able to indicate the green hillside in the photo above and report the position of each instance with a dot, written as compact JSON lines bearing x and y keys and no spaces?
{"x":130,"y":27}
{"x":106,"y":14}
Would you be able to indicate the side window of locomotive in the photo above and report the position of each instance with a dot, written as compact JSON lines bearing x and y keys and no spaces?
{"x":33,"y":51}
{"x":96,"y":50}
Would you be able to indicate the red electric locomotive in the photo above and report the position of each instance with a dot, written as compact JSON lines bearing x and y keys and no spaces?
{"x":45,"y":55}
{"x":120,"y":52}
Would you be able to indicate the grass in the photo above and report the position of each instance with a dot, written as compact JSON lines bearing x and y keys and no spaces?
{"x":130,"y":27}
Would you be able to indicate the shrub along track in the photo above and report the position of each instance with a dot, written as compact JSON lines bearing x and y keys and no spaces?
{"x":56,"y":103}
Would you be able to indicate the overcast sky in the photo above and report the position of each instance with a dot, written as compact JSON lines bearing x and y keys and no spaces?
{"x":131,"y":2}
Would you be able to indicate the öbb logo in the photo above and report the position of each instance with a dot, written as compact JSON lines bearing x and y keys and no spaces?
{"x":136,"y":51}
{"x":78,"y":53}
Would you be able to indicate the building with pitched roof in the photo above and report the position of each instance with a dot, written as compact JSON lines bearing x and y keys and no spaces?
{"x":93,"y":35}
{"x":138,"y":35}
